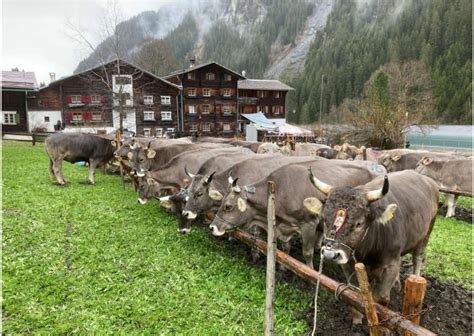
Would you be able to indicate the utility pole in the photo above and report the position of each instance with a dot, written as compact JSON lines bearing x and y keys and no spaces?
{"x":321,"y":101}
{"x":406,"y":130}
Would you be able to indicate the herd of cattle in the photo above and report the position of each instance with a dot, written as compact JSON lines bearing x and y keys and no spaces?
{"x":353,"y":204}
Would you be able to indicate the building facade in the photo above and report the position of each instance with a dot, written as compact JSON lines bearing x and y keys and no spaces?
{"x":16,"y":85}
{"x":93,"y":101}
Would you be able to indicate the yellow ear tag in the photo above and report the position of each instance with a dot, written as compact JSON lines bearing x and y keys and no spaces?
{"x":313,"y":205}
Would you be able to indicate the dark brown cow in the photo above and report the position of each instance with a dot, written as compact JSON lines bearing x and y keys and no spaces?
{"x":376,"y":225}
{"x":75,"y":147}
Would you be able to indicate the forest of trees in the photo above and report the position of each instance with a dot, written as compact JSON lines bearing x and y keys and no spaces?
{"x":358,"y":40}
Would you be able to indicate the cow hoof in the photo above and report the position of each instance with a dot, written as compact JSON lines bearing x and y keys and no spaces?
{"x":60,"y":184}
{"x":90,"y":183}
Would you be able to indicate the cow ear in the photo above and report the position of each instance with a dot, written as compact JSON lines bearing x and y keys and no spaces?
{"x":387,"y":215}
{"x":241,"y":204}
{"x":215,"y":195}
{"x":150,"y":154}
{"x":313,"y":205}
{"x":396,"y":158}
{"x":166,"y":204}
{"x":150,"y":180}
{"x":130,"y":155}
{"x":114,"y":143}
{"x":337,"y":148}
{"x":426,"y":161}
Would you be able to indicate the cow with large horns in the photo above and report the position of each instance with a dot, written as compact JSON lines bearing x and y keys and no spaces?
{"x":377,"y":224}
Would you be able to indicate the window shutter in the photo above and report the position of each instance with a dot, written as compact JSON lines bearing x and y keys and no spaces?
{"x":17,"y":118}
{"x":104,"y":116}
{"x":103,"y":99}
{"x":69,"y":116}
{"x":87,"y":116}
{"x":69,"y":99}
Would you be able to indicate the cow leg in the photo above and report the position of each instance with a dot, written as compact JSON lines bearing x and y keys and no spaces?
{"x":309,"y":237}
{"x":57,"y":169}
{"x":348,"y":270}
{"x":387,"y":280}
{"x":451,"y":203}
{"x":92,"y":167}
{"x":254,"y":252}
{"x":51,"y":170}
{"x":285,"y":247}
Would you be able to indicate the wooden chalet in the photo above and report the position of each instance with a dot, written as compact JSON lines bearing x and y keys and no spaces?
{"x":214,"y":97}
{"x":209,"y":99}
{"x":89,"y":101}
{"x":16,"y":85}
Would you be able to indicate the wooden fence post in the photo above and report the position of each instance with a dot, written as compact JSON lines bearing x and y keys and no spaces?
{"x":33,"y":142}
{"x":413,"y":296}
{"x":370,"y":311}
{"x":271,"y":260}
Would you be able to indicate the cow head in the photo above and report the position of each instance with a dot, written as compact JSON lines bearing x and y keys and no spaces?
{"x":141,"y":158}
{"x":389,"y":161}
{"x":348,"y":215}
{"x":424,"y":167}
{"x":124,"y":147}
{"x":234,"y":211}
{"x":148,"y":188}
{"x":202,"y":195}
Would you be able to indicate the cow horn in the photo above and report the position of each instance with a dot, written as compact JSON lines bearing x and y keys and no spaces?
{"x":209,"y":178}
{"x":234,"y":182}
{"x":321,"y":186}
{"x":187,"y":173}
{"x":379,"y":193}
{"x":148,"y":146}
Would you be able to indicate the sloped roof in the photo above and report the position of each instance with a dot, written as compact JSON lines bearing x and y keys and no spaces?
{"x":263,"y":122}
{"x":115,"y":60}
{"x":180,"y":72}
{"x":19,"y":80}
{"x":263,"y":84}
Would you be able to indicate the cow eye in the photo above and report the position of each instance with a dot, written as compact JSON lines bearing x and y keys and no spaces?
{"x":141,"y":160}
{"x":199,"y":194}
{"x":228,"y":207}
{"x":358,"y":224}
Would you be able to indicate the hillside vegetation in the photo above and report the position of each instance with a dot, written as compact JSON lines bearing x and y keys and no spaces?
{"x":358,"y":39}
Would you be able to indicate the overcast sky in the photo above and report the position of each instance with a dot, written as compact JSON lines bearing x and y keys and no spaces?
{"x":36,"y":37}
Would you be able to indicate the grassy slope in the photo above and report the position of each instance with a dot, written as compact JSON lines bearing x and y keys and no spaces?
{"x":89,"y":259}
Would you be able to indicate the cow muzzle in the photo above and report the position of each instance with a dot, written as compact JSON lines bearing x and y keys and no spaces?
{"x":140,"y":173}
{"x":215,"y":230}
{"x":184,"y":230}
{"x":339,"y":256}
{"x":142,"y":201}
{"x":189,"y":214}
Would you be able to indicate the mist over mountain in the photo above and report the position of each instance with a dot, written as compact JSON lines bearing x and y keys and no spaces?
{"x":298,"y":41}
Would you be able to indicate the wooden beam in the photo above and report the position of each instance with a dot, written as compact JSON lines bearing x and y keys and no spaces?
{"x":413,"y":296}
{"x":271,"y":253}
{"x":390,"y":319}
{"x":456,"y":192}
{"x":370,"y":312}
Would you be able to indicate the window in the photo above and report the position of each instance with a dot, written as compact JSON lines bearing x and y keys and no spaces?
{"x":150,"y":115}
{"x":148,"y":100}
{"x":276,"y":94}
{"x":193,"y":127}
{"x":206,"y":127}
{"x":191,"y":75}
{"x":226,"y":109}
{"x":226,"y":127}
{"x":192,"y":109}
{"x":277,"y":109}
{"x":226,"y":92}
{"x":9,"y":118}
{"x":205,"y":109}
{"x":192,"y":92}
{"x":46,"y":119}
{"x":206,"y":92}
{"x":166,"y":116}
{"x":165,"y":100}
{"x":261,"y":94}
{"x":96,"y":116}
{"x":146,"y":132}
{"x":76,"y":99}
{"x":227,"y":77}
{"x":95,"y":99}
{"x":77,"y":116}
{"x":170,"y":130}
{"x":159,"y":132}
{"x":123,"y":80}
{"x":40,"y":103}
{"x":210,"y":76}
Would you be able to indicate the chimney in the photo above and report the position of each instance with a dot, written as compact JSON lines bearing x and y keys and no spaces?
{"x":192,"y":62}
{"x":243,"y":73}
{"x":52,"y":76}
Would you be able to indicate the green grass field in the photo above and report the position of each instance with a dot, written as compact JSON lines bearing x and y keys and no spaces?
{"x":90,"y":260}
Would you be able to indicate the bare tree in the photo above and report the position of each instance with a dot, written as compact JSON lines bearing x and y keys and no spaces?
{"x":114,"y":37}
{"x":396,"y":97}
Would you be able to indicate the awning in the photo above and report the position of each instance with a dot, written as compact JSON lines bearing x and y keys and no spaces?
{"x":263,"y":123}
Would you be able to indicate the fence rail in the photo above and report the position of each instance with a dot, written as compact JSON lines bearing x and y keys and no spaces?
{"x":23,"y":136}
